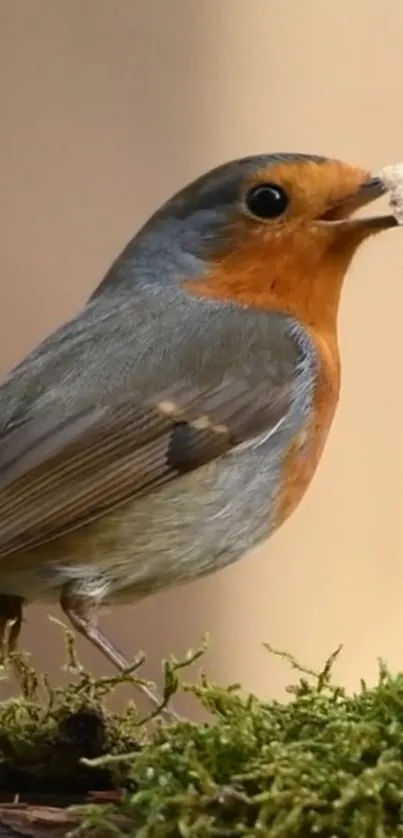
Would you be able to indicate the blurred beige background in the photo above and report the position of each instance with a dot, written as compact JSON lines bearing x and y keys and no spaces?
{"x":107,"y":107}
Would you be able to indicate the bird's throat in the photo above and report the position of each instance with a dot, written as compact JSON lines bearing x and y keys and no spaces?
{"x":297,"y":282}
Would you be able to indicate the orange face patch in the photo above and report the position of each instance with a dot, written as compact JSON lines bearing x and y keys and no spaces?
{"x":291,"y":264}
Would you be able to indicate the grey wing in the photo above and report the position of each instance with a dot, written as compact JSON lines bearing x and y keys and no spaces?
{"x":58,"y":472}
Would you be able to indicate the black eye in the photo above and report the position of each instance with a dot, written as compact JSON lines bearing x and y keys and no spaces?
{"x":267,"y":200}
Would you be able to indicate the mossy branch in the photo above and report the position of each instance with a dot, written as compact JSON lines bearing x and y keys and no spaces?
{"x":324,"y":763}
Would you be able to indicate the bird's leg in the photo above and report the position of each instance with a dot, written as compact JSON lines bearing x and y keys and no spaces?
{"x":10,"y":623}
{"x":80,"y":611}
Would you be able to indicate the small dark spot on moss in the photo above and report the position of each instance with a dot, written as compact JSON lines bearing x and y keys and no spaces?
{"x":86,"y":729}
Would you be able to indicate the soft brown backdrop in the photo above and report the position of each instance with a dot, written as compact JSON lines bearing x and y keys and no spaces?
{"x":107,"y":106}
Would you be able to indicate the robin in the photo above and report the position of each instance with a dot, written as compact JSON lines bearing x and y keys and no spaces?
{"x":178,"y":419}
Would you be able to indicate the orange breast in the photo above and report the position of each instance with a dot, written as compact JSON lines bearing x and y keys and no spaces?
{"x":305,"y":452}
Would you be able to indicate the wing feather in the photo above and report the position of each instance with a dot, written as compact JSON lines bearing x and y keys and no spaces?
{"x":59,"y":472}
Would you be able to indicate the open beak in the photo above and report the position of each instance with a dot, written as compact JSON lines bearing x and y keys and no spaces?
{"x":341,"y":213}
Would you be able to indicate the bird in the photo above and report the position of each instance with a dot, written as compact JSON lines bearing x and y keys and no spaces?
{"x":178,"y":419}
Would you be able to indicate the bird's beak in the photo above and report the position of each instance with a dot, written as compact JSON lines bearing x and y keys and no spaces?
{"x":341,"y":212}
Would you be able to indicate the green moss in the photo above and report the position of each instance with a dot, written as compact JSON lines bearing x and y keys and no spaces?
{"x":45,"y":733}
{"x":324,"y":763}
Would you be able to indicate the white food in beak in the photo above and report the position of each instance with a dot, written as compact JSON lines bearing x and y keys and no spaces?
{"x":392,"y":177}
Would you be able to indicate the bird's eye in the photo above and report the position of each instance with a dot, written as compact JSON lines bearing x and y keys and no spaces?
{"x":267,"y":200}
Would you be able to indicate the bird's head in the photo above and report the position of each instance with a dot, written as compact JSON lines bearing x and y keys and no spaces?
{"x":273,"y":231}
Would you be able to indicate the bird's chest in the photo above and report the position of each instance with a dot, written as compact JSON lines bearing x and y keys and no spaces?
{"x":269,"y":479}
{"x":304,"y":451}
